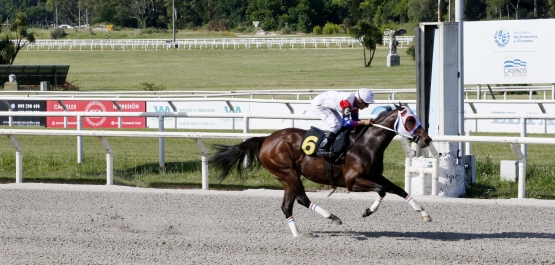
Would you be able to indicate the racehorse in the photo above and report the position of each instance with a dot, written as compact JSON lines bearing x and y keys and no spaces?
{"x":360,"y":170}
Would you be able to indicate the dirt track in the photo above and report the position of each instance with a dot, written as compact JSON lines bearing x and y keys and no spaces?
{"x":69,"y":224}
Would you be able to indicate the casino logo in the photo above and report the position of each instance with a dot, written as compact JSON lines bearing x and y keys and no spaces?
{"x":514,"y":68}
{"x":502,"y":37}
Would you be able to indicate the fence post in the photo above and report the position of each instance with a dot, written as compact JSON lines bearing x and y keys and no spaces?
{"x":18,"y":159}
{"x":521,"y":171}
{"x":109,"y":160}
{"x":161,"y":143}
{"x":204,"y":162}
{"x":79,"y":140}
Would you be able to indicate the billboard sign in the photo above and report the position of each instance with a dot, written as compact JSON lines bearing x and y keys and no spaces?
{"x":24,"y":106}
{"x":509,"y":51}
{"x":96,"y":106}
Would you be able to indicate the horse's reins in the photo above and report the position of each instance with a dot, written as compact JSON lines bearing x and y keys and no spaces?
{"x":327,"y":162}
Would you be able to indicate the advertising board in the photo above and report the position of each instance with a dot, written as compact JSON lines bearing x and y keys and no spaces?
{"x":510,"y":125}
{"x":24,"y":106}
{"x":509,"y":51}
{"x":96,"y":106}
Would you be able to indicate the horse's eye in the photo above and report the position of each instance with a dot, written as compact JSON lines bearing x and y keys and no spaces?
{"x":410,"y":123}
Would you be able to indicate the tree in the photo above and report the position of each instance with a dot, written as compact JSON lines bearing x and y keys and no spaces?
{"x":370,"y":36}
{"x":422,"y":10}
{"x":10,"y":47}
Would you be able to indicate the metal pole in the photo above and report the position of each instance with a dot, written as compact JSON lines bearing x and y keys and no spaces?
{"x":459,"y":15}
{"x":173,"y":21}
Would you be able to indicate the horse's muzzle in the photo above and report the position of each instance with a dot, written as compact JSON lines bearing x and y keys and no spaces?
{"x":416,"y":139}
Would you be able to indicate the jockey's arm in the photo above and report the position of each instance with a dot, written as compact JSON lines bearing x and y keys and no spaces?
{"x":351,"y":120}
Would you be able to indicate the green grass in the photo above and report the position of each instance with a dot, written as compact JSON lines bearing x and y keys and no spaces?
{"x":53,"y":159}
{"x":229,"y":69}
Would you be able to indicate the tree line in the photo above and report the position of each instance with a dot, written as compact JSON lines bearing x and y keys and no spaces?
{"x":294,"y":15}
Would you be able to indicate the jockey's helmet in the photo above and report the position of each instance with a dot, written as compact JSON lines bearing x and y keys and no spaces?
{"x":365,"y":95}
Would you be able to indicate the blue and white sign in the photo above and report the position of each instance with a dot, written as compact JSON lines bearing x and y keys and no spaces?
{"x":509,"y":51}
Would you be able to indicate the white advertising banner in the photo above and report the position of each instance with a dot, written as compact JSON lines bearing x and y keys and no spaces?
{"x":510,"y":125}
{"x":509,"y":51}
{"x":490,"y":125}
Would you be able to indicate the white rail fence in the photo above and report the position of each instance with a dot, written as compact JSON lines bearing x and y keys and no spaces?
{"x":520,"y":151}
{"x":189,"y":44}
{"x":212,"y":43}
{"x":546,"y":92}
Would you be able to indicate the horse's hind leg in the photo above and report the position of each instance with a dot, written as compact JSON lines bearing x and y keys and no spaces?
{"x":388,"y":186}
{"x":287,"y":208}
{"x":297,"y":192}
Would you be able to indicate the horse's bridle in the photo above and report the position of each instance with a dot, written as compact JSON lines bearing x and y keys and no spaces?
{"x":413,"y":138}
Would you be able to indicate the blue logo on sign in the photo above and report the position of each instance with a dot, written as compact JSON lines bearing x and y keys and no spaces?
{"x":237,"y":109}
{"x":162,"y":109}
{"x":514,"y":68}
{"x":501,"y":38}
{"x":515,"y":63}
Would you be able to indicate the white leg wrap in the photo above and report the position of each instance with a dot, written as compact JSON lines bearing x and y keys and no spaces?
{"x":293,"y":226}
{"x":414,"y":204}
{"x":376,"y":204}
{"x":320,"y":210}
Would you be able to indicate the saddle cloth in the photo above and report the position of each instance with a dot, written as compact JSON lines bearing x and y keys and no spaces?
{"x":313,"y":137}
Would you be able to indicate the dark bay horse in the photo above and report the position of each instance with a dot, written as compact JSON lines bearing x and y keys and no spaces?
{"x":359,"y":171}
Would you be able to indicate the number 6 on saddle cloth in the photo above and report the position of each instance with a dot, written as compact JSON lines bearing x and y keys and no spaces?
{"x":314,"y":137}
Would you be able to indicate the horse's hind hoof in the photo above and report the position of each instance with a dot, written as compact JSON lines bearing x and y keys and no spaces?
{"x":367,"y":213}
{"x":335,"y":220}
{"x":427,"y":218}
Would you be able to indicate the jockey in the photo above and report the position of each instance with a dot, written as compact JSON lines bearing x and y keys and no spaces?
{"x":339,"y":110}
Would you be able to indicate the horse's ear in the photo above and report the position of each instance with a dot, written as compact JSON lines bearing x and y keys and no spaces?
{"x":398,"y":107}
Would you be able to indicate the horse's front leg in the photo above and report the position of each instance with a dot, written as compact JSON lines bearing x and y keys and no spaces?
{"x":374,"y":207}
{"x":388,"y":186}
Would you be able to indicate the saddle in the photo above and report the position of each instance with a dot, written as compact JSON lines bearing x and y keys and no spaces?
{"x":313,"y":137}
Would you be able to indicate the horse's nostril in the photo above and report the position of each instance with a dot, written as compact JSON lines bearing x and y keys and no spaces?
{"x":428,"y":141}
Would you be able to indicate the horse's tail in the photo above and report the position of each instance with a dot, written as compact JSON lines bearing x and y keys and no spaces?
{"x":227,"y":157}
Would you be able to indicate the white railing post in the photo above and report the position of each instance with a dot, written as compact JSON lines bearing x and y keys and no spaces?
{"x":109,"y":160}
{"x":408,"y":164}
{"x":435,"y":169}
{"x":468,"y":147}
{"x":523,"y":121}
{"x":18,"y":159}
{"x":204,"y":162}
{"x":79,"y":140}
{"x":161,"y":143}
{"x":521,"y":171}
{"x":246,"y":124}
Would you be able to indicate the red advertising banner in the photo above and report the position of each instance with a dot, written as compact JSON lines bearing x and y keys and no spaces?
{"x":96,"y":106}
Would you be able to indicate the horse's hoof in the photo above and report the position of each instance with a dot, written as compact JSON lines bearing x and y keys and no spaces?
{"x":367,"y":213}
{"x":335,"y":220}
{"x":427,"y":218}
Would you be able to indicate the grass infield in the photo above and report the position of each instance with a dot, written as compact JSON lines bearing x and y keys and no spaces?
{"x":53,"y":159}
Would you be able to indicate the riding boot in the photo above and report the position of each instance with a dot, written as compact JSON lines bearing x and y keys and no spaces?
{"x":325,"y":148}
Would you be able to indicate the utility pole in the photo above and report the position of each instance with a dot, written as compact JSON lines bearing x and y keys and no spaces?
{"x":56,"y":14}
{"x":173,"y":21}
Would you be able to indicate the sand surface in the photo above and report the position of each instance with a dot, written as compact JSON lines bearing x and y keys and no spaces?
{"x":82,"y":224}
